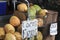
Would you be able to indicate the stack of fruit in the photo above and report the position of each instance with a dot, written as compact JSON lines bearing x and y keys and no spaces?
{"x":35,"y":11}
{"x":8,"y":32}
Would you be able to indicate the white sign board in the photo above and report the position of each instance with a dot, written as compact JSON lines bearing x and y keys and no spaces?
{"x":53,"y":29}
{"x":29,"y":28}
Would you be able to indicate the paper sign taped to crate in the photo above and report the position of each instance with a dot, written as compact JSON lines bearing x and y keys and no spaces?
{"x":53,"y":29}
{"x":29,"y":28}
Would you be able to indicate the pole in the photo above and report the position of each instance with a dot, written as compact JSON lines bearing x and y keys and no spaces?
{"x":14,"y":1}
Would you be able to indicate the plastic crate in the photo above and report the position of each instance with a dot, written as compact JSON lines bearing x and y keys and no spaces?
{"x":3,"y":7}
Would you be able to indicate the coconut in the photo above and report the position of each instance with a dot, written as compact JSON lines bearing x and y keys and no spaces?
{"x":15,"y":21}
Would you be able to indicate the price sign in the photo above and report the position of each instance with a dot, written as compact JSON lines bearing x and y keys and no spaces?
{"x":29,"y":28}
{"x":53,"y":29}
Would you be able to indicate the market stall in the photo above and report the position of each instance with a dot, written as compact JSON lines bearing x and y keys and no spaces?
{"x":28,"y":21}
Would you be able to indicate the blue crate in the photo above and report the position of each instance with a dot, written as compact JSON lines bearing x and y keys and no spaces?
{"x":3,"y":7}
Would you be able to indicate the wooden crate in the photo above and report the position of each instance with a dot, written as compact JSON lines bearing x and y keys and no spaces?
{"x":51,"y":16}
{"x":46,"y":33}
{"x":50,"y":38}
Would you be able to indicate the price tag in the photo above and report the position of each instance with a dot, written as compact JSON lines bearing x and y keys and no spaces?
{"x":53,"y":29}
{"x":29,"y":28}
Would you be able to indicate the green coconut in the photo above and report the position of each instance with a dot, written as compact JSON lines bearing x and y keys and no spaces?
{"x":32,"y":12}
{"x":37,"y":7}
{"x":39,"y":36}
{"x":32,"y":8}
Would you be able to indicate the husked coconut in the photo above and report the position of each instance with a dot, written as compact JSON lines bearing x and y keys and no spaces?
{"x":18,"y":36}
{"x":22,"y":7}
{"x":40,"y":22}
{"x":2,"y":33}
{"x":15,"y":21}
{"x":9,"y":28}
{"x":43,"y":12}
{"x":10,"y":36}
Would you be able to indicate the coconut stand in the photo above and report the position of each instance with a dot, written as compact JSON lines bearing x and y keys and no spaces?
{"x":45,"y":29}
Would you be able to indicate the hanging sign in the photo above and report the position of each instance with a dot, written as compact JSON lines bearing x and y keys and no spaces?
{"x":53,"y":29}
{"x":29,"y":28}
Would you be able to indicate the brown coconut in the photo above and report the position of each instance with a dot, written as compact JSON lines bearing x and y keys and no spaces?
{"x":20,"y":15}
{"x":19,"y":29}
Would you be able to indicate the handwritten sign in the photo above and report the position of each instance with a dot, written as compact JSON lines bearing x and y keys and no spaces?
{"x":53,"y":29}
{"x":29,"y":28}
